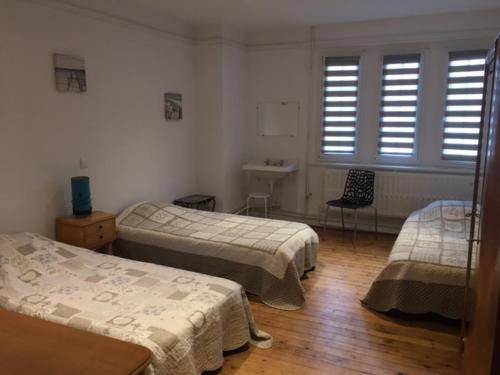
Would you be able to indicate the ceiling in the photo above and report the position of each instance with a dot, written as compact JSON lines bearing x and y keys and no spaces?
{"x":250,"y":15}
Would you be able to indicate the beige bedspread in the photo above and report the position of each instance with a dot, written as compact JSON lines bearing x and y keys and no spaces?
{"x":186,"y":319}
{"x":426,"y":268}
{"x":268,"y":257}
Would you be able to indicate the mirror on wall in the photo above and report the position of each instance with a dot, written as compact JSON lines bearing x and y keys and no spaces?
{"x":278,"y":118}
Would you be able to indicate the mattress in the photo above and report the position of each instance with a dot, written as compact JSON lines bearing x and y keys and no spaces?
{"x":268,"y":257}
{"x":186,"y":319}
{"x":427,"y":265}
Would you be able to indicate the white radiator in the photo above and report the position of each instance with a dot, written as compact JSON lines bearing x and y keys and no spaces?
{"x":397,"y":194}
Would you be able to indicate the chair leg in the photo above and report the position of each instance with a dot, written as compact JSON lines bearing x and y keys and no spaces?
{"x":355,"y":227}
{"x":342,"y":216}
{"x":265,"y":208}
{"x":326,"y":217}
{"x":376,"y":222}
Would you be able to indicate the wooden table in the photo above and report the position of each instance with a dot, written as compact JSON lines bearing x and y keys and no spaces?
{"x":35,"y":346}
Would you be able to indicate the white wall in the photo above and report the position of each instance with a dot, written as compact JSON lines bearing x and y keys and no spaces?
{"x":283,"y":65}
{"x":234,"y":122}
{"x":279,"y":74}
{"x":117,"y":127}
{"x":220,"y":107}
{"x":209,"y":130}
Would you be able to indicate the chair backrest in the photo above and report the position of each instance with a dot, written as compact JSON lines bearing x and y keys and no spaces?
{"x":359,"y":187}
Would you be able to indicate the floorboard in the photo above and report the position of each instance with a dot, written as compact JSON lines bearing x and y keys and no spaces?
{"x":334,"y":334}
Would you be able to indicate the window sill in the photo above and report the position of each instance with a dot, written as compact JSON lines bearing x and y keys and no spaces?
{"x":456,"y":170}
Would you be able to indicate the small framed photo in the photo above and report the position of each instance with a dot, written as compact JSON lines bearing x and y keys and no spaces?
{"x":70,"y":73}
{"x":173,"y":106}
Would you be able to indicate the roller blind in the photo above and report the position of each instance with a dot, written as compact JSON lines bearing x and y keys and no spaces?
{"x":340,"y":103}
{"x":398,"y":105}
{"x":463,"y":105}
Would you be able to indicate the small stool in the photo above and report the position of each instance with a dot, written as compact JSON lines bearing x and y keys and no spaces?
{"x":265,"y":196}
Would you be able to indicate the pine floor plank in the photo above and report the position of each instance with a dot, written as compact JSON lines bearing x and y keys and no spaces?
{"x":334,"y":334}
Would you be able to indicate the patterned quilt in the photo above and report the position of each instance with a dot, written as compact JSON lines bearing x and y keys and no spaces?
{"x":268,"y":257}
{"x":436,"y":234}
{"x":426,"y":269}
{"x":186,"y":319}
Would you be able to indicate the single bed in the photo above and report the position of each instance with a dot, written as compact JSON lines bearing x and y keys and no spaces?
{"x":427,"y":265}
{"x":186,"y":319}
{"x":267,"y":257}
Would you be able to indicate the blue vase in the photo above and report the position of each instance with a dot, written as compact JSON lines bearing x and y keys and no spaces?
{"x":80,"y":192}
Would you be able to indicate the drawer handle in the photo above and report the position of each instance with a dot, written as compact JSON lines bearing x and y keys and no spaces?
{"x":100,"y":226}
{"x":101,"y":237}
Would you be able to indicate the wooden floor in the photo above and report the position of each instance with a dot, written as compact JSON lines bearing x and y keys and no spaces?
{"x":334,"y":334}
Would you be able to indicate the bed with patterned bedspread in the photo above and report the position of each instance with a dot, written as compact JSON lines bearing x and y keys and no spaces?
{"x":427,"y":265}
{"x":267,"y":257}
{"x":186,"y":319}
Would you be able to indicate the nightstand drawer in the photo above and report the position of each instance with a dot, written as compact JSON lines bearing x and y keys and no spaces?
{"x":99,"y":234}
{"x":101,"y":227}
{"x":95,"y":231}
{"x":96,"y":241}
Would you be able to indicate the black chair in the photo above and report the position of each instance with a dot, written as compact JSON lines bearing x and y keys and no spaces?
{"x":358,"y":193}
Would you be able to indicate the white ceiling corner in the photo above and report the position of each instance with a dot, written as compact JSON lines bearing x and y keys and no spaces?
{"x":253,"y":15}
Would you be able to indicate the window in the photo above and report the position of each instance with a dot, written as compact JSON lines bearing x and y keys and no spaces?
{"x":340,"y":99}
{"x":398,"y":105}
{"x":463,"y":105}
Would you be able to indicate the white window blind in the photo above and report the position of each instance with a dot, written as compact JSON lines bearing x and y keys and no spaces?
{"x":340,"y":103}
{"x":463,"y":105}
{"x":398,"y":105}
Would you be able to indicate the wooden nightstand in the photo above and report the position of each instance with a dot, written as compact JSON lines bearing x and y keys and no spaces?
{"x":91,"y":232}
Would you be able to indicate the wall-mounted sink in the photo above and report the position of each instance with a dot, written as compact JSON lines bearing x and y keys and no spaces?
{"x":270,"y":170}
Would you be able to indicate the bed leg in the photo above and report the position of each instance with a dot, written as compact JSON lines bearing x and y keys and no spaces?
{"x":342,"y":216}
{"x":355,"y":227}
{"x":326,"y":217}
{"x":248,"y":204}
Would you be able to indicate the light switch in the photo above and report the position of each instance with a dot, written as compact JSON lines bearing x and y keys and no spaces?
{"x":83,"y":164}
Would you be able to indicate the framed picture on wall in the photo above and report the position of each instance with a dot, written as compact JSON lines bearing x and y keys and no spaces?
{"x":173,"y":106}
{"x":70,"y":73}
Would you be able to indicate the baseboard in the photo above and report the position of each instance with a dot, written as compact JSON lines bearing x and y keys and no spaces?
{"x":391,"y":225}
{"x":365,"y":222}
